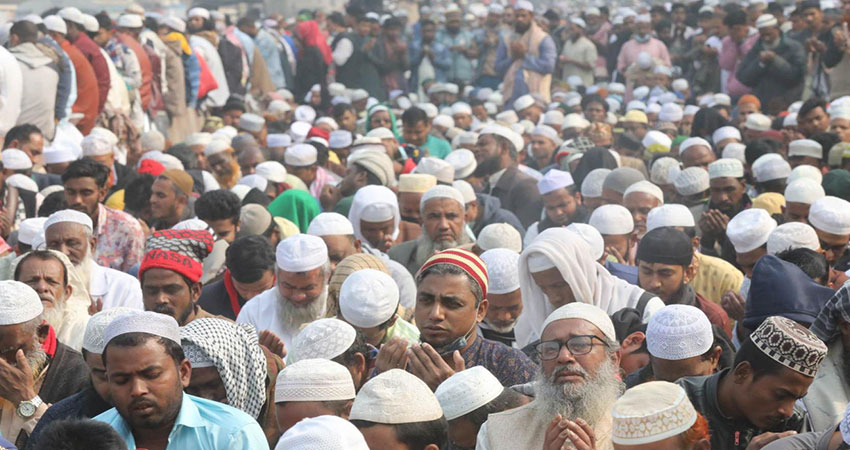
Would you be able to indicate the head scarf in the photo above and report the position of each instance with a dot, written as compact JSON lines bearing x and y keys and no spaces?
{"x":235,"y":352}
{"x":382,"y":107}
{"x":827,"y":324}
{"x":589,"y":281}
{"x":311,"y":36}
{"x":372,"y":195}
{"x":299,"y":207}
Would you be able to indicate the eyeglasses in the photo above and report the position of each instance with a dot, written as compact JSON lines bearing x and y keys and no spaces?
{"x":577,"y":345}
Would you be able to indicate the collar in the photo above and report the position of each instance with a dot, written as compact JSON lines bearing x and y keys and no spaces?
{"x":101,"y":219}
{"x":189,"y":415}
{"x":98,"y":284}
{"x":686,"y":297}
{"x":494,"y":179}
{"x":711,"y":392}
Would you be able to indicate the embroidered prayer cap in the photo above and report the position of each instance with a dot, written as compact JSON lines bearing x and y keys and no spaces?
{"x":750,"y":229}
{"x":592,"y":236}
{"x":466,"y":391}
{"x":691,"y":181}
{"x":646,"y":187}
{"x":592,"y":184}
{"x":804,"y":190}
{"x":693,"y":142}
{"x":651,"y":412}
{"x":14,"y":159}
{"x":660,"y":172}
{"x":791,"y":235}
{"x":322,"y":433}
{"x":19,"y":303}
{"x":147,"y":322}
{"x":465,"y":260}
{"x":301,"y":253}
{"x":417,"y":183}
{"x":831,"y":215}
{"x":323,"y":339}
{"x":69,"y":215}
{"x":771,"y":166}
{"x":766,"y":21}
{"x":351,"y":264}
{"x":723,"y":133}
{"x":182,"y":251}
{"x":584,"y":311}
{"x":553,"y":180}
{"x":805,"y":171}
{"x":677,"y":332}
{"x":368,"y":298}
{"x":314,"y":380}
{"x":300,"y":155}
{"x":805,"y":147}
{"x":499,"y":235}
{"x":790,"y":344}
{"x":612,"y":220}
{"x":330,"y":224}
{"x":505,"y":132}
{"x":725,"y":168}
{"x":621,"y":178}
{"x":441,"y":169}
{"x":735,"y":150}
{"x":503,"y":267}
{"x":441,"y":191}
{"x":395,"y":397}
{"x":96,"y":326}
{"x":251,"y":122}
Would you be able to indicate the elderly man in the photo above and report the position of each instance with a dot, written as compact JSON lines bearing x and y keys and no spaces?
{"x":222,"y":162}
{"x":37,"y":369}
{"x":562,"y":203}
{"x":169,"y":201}
{"x":578,"y":385}
{"x":311,"y":388}
{"x":70,"y":232}
{"x":830,"y":217}
{"x":120,"y":240}
{"x":526,"y":59}
{"x":161,"y":415}
{"x":504,"y":297}
{"x":300,"y":293}
{"x":250,"y":271}
{"x":443,"y":223}
{"x":728,"y":198}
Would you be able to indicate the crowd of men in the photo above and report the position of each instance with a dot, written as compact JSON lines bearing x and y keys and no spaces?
{"x":427,"y":227}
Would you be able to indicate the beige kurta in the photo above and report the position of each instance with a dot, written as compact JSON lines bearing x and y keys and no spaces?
{"x":829,"y":393}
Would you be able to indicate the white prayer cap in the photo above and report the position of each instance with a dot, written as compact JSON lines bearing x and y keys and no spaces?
{"x":299,"y":130}
{"x":584,"y":311}
{"x":94,"y":145}
{"x":301,"y":253}
{"x":59,"y":153}
{"x":395,"y":397}
{"x":579,"y":21}
{"x":216,"y":146}
{"x":463,"y":161}
{"x":14,"y":159}
{"x":635,"y":105}
{"x":304,"y":113}
{"x":90,"y":23}
{"x":313,"y":380}
{"x":441,"y":169}
{"x":466,"y":391}
{"x":612,"y":220}
{"x":359,"y":94}
{"x":340,"y":139}
{"x":93,"y":338}
{"x":724,"y":133}
{"x":670,"y":112}
{"x":444,"y":121}
{"x":147,"y":322}
{"x":330,"y":224}
{"x":804,"y":190}
{"x":670,"y":215}
{"x":524,"y":4}
{"x":499,"y":235}
{"x":72,"y":14}
{"x":553,"y":117}
{"x":641,"y":92}
{"x":805,"y":171}
{"x":575,"y":120}
{"x":130,"y":21}
{"x":69,"y":215}
{"x":227,"y":130}
{"x":653,"y":137}
{"x":766,"y":21}
{"x":55,"y":23}
{"x":547,"y":132}
{"x":324,"y":339}
{"x":461,"y":108}
{"x":441,"y":191}
{"x":335,"y":89}
{"x":805,"y":147}
{"x":677,"y":332}
{"x":508,"y":116}
{"x":251,"y":122}
{"x":430,"y":110}
{"x":757,"y":122}
{"x":722,"y":99}
{"x":34,"y":18}
{"x":651,"y":412}
{"x":502,"y":269}
{"x":380,"y":133}
{"x":692,"y":180}
{"x":254,"y":181}
{"x":523,"y":102}
{"x":169,"y":161}
{"x":691,"y":110}
{"x":452,"y":88}
{"x":465,"y":190}
{"x":174,"y":23}
{"x":198,"y":12}
{"x":680,"y":84}
{"x":368,"y":298}
{"x":593,"y":181}
{"x":591,"y":236}
{"x":790,"y":120}
{"x":831,"y":215}
{"x":735,"y":150}
{"x":22,"y":182}
{"x":726,"y":167}
{"x":278,"y":140}
{"x":660,"y":171}
{"x":300,"y":155}
{"x":553,"y":180}
{"x":31,"y":229}
{"x":771,"y":166}
{"x":322,"y":433}
{"x":750,"y":229}
{"x":19,"y":303}
{"x":693,"y":142}
{"x":792,"y":235}
{"x":272,"y":171}
{"x":645,"y":187}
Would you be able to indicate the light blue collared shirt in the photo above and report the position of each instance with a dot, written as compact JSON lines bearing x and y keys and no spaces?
{"x":201,"y":424}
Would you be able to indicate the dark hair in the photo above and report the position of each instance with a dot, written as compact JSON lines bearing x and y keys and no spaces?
{"x":826,"y":139}
{"x":217,"y":205}
{"x":256,"y":196}
{"x":417,"y":435}
{"x":25,"y":30}
{"x":249,"y":257}
{"x":337,"y":18}
{"x":87,"y":168}
{"x":551,"y":14}
{"x":371,"y":179}
{"x":777,"y":186}
{"x":658,"y":9}
{"x":21,"y":133}
{"x":759,"y":147}
{"x":75,"y":434}
{"x":413,"y":116}
{"x":676,"y":6}
{"x":593,"y":98}
{"x":349,"y":357}
{"x":809,"y":261}
{"x":185,"y":154}
{"x":424,"y":22}
{"x":736,"y":17}
{"x":245,"y":22}
{"x":391,"y":23}
{"x":811,"y":105}
{"x":103,"y":20}
{"x":43,"y":255}
{"x":340,"y":108}
{"x":136,"y":339}
{"x":761,"y":363}
{"x":137,"y":193}
{"x":706,"y":121}
{"x":322,"y":153}
{"x":52,"y":203}
{"x":595,"y":158}
{"x":774,"y":8}
{"x":663,"y":24}
{"x":508,"y":399}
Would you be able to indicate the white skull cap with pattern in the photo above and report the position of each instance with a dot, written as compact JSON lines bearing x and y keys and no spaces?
{"x":553,"y":180}
{"x":734,"y":150}
{"x":612,"y":220}
{"x":69,"y":215}
{"x":792,"y":235}
{"x":147,"y":322}
{"x":466,"y":391}
{"x":691,"y":181}
{"x":31,"y":229}
{"x":593,"y":181}
{"x":804,"y":190}
{"x":750,"y":229}
{"x":441,"y":191}
{"x":790,"y":344}
{"x":677,"y":332}
{"x":830,"y":214}
{"x":440,"y":168}
{"x":19,"y":303}
{"x":645,"y":187}
{"x":96,"y":326}
{"x":368,"y":298}
{"x":725,"y":168}
{"x":499,"y":235}
{"x":301,"y":253}
{"x":805,"y":171}
{"x":584,"y":311}
{"x":651,"y":412}
{"x":314,"y":380}
{"x":14,"y":159}
{"x":757,"y":122}
{"x":660,"y":171}
{"x":322,"y":433}
{"x":330,"y":224}
{"x":669,"y":215}
{"x":324,"y":339}
{"x":502,"y":269}
{"x":554,"y":117}
{"x":395,"y":397}
{"x":592,"y":236}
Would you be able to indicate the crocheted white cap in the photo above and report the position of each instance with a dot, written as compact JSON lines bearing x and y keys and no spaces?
{"x":147,"y":322}
{"x":499,"y":235}
{"x":466,"y":391}
{"x":19,"y":303}
{"x":792,"y":235}
{"x":322,"y":433}
{"x":584,"y":311}
{"x":677,"y":332}
{"x":323,"y":338}
{"x":692,"y":180}
{"x":93,"y":338}
{"x":313,"y":380}
{"x":830,"y":214}
{"x":502,"y":269}
{"x":612,"y":220}
{"x":593,"y":181}
{"x":395,"y":397}
{"x":368,"y":298}
{"x":330,"y":224}
{"x":725,"y":167}
{"x":301,"y":253}
{"x":804,"y":190}
{"x":651,"y":412}
{"x":592,"y":236}
{"x":750,"y":229}
{"x":670,"y":215}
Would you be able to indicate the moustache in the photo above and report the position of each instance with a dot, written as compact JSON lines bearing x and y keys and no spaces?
{"x":571,"y":368}
{"x":164,"y":309}
{"x":142,"y":403}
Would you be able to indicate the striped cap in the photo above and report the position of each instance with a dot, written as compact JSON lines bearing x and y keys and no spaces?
{"x":466,"y":261}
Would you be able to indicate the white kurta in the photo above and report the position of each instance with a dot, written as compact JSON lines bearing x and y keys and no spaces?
{"x":262,"y":312}
{"x":115,"y":288}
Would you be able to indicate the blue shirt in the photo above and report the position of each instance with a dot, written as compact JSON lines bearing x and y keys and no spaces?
{"x":201,"y":424}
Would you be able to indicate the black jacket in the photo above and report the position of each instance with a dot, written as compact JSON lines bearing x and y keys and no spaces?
{"x":779,"y":82}
{"x":493,"y":213}
{"x":518,"y":194}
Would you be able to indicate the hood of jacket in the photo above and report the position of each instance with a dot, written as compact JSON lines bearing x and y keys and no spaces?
{"x":30,"y":54}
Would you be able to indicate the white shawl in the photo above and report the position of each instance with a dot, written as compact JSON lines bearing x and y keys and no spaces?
{"x":372,"y":195}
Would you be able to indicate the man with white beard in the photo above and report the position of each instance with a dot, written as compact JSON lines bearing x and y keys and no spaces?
{"x":300,"y":293}
{"x":575,"y":389}
{"x":70,"y":232}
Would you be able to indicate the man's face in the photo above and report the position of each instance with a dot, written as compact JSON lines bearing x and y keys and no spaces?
{"x":744,"y":111}
{"x":698,"y":156}
{"x":194,"y":24}
{"x":558,"y":370}
{"x":620,"y":242}
{"x":145,"y":384}
{"x":508,"y":17}
{"x":378,"y":234}
{"x":726,"y":194}
{"x":34,"y":147}
{"x":166,"y":292}
{"x":221,"y":164}
{"x":488,"y":155}
{"x":769,"y":400}
{"x":347,"y":121}
{"x":769,"y":35}
{"x":560,"y":206}
{"x":206,"y":383}
{"x":833,"y":244}
{"x":231,"y":117}
{"x":443,"y":222}
{"x":799,"y":160}
{"x":198,"y":150}
{"x":301,"y":288}
{"x":250,"y":290}
{"x":553,"y":285}
{"x":542,"y":149}
{"x":749,"y":259}
{"x":611,"y":197}
{"x":522,"y":20}
{"x":428,"y":33}
{"x":594,"y":112}
{"x":637,"y":129}
{"x":663,"y":280}
{"x":383,"y":437}
{"x":639,"y":204}
{"x":18,"y":337}
{"x":670,"y":370}
{"x":841,"y":127}
{"x":453,"y":22}
{"x":408,"y":204}
{"x":416,"y":134}
{"x":813,"y":18}
{"x":70,"y":239}
{"x":47,"y":279}
{"x":290,"y":413}
{"x":503,"y":310}
{"x":463,"y":121}
{"x":355,"y":178}
{"x":796,"y":212}
{"x":249,"y":159}
{"x":531,"y":113}
{"x":643,"y":28}
{"x":739,"y":32}
{"x":445,"y":309}
{"x":380,"y":119}
{"x":679,"y":15}
{"x":98,"y":375}
{"x":814,"y":122}
{"x":84,"y":195}
{"x":340,"y":247}
{"x":164,"y":201}
{"x":224,"y":229}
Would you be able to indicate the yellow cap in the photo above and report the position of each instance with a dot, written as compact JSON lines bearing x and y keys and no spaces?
{"x":636,"y":116}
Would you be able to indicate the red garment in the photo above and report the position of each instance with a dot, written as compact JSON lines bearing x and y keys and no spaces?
{"x":144,"y":64}
{"x":715,"y":313}
{"x":151,"y":166}
{"x":86,"y":82}
{"x":207,"y":80}
{"x":311,"y":36}
{"x":232,"y":295}
{"x":101,"y":69}
{"x":319,"y":132}
{"x":50,"y":342}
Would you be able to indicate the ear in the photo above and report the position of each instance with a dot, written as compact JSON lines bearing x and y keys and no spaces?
{"x":184,"y":369}
{"x":715,"y":356}
{"x":196,"y":290}
{"x":742,"y":373}
{"x":68,"y":291}
{"x":696,"y":242}
{"x":690,"y":271}
{"x":42,"y":331}
{"x":357,"y":245}
{"x":632,"y":342}
{"x":702,"y":444}
{"x":346,"y":410}
{"x":482,"y":310}
{"x":101,"y":194}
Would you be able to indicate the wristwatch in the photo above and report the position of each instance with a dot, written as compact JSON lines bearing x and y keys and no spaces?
{"x":27,"y":408}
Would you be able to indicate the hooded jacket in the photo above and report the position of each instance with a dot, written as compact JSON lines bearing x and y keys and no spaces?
{"x":494,"y":213}
{"x":41,"y":79}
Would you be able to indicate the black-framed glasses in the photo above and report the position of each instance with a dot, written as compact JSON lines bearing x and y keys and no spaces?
{"x":577,"y":345}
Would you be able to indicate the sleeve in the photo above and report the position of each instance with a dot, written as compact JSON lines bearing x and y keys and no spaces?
{"x":249,"y":437}
{"x":726,"y":56}
{"x":132,"y":69}
{"x":590,"y":55}
{"x":343,"y":51}
{"x":545,"y":61}
{"x":503,"y":60}
{"x":64,"y":88}
{"x":193,"y":80}
{"x":790,"y":68}
{"x":481,"y":440}
{"x":442,"y":57}
{"x":750,"y":70}
{"x":833,"y":55}
{"x":101,"y":71}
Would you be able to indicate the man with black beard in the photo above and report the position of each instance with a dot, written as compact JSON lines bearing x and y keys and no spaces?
{"x":575,"y":388}
{"x":728,"y":197}
{"x":830,"y":391}
{"x":496,"y":155}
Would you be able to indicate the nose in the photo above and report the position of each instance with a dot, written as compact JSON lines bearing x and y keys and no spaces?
{"x":138,"y":388}
{"x":564,"y":355}
{"x":436,"y":313}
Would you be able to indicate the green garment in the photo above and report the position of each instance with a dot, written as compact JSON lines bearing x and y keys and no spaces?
{"x":403,"y":329}
{"x":344,"y":205}
{"x":436,"y":147}
{"x":297,"y":206}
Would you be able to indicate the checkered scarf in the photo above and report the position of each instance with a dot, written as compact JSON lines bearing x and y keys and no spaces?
{"x":236,"y":354}
{"x":182,"y":251}
{"x":827,"y":325}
